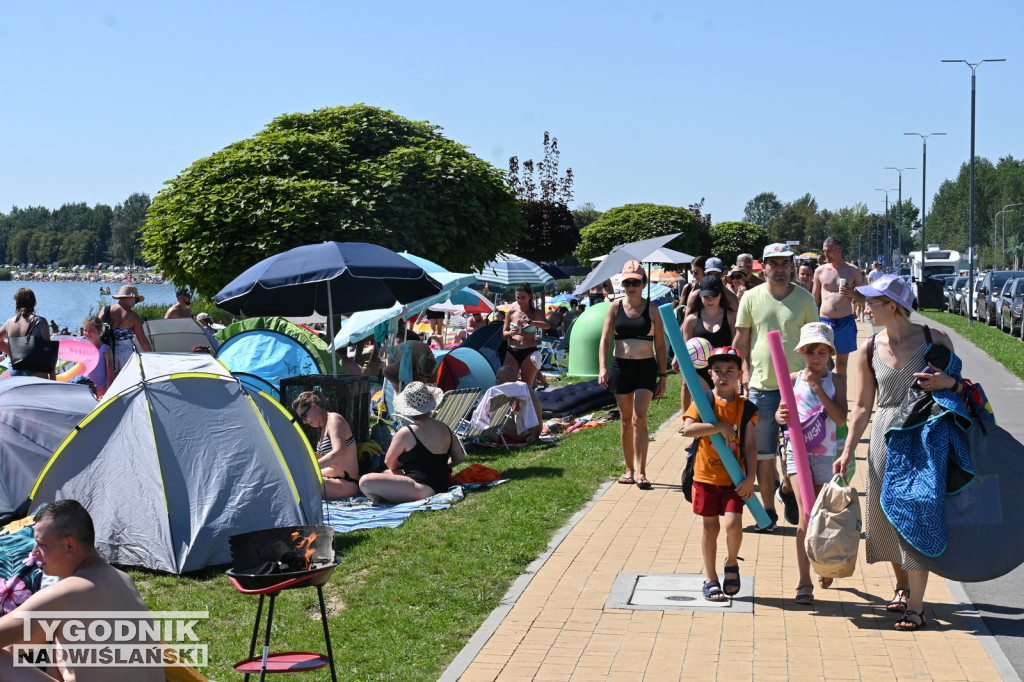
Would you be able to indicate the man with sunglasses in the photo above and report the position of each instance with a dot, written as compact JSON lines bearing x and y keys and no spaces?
{"x":779,"y":305}
{"x":181,"y":308}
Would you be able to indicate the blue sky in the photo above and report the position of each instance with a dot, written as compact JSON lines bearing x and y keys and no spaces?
{"x":650,"y":102}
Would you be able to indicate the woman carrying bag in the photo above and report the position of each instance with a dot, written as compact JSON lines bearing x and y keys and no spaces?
{"x":26,"y":339}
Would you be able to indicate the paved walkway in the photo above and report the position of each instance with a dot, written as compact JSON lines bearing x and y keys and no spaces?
{"x":554,"y":625}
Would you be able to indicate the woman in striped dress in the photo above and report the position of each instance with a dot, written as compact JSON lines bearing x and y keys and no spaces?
{"x":897,"y":360}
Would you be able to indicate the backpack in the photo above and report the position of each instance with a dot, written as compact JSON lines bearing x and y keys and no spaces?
{"x":107,"y":333}
{"x":749,"y":410}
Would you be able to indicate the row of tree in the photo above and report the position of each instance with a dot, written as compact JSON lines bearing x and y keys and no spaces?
{"x":74,"y":234}
{"x":867,"y":232}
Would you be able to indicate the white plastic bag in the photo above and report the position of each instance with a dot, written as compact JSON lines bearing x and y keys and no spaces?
{"x":833,"y":531}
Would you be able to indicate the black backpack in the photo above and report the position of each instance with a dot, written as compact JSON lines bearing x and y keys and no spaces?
{"x":107,"y":333}
{"x":749,"y":410}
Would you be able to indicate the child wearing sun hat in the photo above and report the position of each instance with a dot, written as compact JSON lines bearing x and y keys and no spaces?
{"x":821,"y":406}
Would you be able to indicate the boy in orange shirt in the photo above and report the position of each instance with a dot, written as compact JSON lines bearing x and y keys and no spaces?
{"x":714,"y":493}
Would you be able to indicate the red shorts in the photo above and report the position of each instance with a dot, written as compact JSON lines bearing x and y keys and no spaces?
{"x":712,"y":500}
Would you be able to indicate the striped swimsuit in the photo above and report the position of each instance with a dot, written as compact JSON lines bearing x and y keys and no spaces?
{"x":882,"y":543}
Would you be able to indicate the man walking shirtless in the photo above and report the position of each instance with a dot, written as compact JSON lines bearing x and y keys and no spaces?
{"x":833,"y":291}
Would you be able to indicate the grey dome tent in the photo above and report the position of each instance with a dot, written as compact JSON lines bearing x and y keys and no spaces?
{"x":178,"y":335}
{"x":177,"y":457}
{"x":36,"y":415}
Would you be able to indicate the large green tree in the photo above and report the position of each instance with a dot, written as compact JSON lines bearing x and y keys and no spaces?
{"x":550,"y":230}
{"x":353,"y":173}
{"x":762,"y":209}
{"x":634,"y":222}
{"x":730,"y":239}
{"x":126,"y":227}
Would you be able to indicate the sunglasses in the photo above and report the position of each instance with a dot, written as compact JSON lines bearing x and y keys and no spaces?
{"x":736,"y":277}
{"x":302,"y":415}
{"x":632,"y":283}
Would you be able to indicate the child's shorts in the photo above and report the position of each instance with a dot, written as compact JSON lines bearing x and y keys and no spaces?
{"x":713,"y":500}
{"x":821,"y":467}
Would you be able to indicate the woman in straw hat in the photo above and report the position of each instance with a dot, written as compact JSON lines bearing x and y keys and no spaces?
{"x":636,"y":373}
{"x":127,"y":325}
{"x":421,"y":455}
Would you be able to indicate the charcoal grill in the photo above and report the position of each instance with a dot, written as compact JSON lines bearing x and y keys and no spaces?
{"x":266,"y":562}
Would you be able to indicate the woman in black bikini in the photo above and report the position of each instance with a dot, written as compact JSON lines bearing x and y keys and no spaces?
{"x":336,"y":450}
{"x":712,"y":318}
{"x":421,"y":455}
{"x":636,"y":373}
{"x":521,"y":325}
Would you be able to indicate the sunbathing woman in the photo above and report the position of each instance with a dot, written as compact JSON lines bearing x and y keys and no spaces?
{"x":521,"y":326}
{"x":421,"y":455}
{"x":335,"y":450}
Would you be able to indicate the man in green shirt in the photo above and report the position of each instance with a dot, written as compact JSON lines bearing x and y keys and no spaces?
{"x":784,"y":306}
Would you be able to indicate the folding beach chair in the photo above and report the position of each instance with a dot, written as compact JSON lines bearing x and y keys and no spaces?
{"x":500,"y":415}
{"x":456,"y":405}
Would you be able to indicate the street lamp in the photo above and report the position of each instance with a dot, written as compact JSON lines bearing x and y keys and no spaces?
{"x":924,"y":175}
{"x":970,"y":222}
{"x":887,"y":239}
{"x":1005,"y":210}
{"x":899,"y":245}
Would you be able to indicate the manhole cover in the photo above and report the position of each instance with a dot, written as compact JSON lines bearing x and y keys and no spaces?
{"x":673,"y":592}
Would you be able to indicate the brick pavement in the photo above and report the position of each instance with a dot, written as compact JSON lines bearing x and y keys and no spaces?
{"x":559,"y":629}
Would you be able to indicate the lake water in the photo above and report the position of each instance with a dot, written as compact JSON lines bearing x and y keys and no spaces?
{"x":68,"y":303}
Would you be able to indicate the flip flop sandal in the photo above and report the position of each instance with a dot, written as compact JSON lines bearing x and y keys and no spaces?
{"x":911,"y":621}
{"x":899,"y":600}
{"x":824,"y":582}
{"x":713,"y":591}
{"x":626,"y":480}
{"x":805,"y":594}
{"x":732,"y":582}
{"x":643,"y":483}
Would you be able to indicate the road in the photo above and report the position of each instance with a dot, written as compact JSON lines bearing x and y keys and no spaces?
{"x":1000,"y":602}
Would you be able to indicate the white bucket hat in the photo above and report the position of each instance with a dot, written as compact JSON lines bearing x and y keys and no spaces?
{"x":816,"y":332}
{"x":417,"y":398}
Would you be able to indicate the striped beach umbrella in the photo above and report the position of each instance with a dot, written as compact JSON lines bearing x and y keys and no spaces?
{"x":510,"y":270}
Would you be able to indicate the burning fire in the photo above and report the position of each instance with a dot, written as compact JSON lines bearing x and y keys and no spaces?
{"x":305,"y":543}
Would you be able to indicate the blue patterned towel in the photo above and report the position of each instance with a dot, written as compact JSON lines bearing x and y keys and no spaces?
{"x":20,"y":575}
{"x":359,"y":513}
{"x":927,"y":459}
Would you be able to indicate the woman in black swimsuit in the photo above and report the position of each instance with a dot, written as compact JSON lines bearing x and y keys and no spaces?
{"x":636,"y":373}
{"x":521,"y":326}
{"x":421,"y":455}
{"x":336,"y":450}
{"x":712,"y":318}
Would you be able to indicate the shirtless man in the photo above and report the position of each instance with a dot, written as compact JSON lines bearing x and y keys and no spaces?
{"x":64,"y":548}
{"x":181,"y":308}
{"x":834,"y":293}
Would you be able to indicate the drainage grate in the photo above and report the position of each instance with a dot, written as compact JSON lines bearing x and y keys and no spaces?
{"x":674,"y":592}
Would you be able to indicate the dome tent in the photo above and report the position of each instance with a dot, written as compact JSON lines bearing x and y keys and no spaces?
{"x":194,"y":457}
{"x":264,"y":350}
{"x":178,"y":335}
{"x":36,"y":415}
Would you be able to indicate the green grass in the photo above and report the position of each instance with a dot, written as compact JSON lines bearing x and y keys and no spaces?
{"x":406,"y":600}
{"x":1003,"y":348}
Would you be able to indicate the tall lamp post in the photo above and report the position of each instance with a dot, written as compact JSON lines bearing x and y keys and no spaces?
{"x":899,"y":243}
{"x":887,"y":235}
{"x":1002,"y":255}
{"x":924,"y":175}
{"x":970,"y":221}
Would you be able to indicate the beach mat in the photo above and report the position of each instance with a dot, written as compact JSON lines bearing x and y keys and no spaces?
{"x":361,"y":513}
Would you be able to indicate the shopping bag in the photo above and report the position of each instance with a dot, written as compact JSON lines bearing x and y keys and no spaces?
{"x":833,"y":531}
{"x":32,"y":353}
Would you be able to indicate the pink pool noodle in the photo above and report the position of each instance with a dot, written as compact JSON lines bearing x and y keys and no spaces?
{"x":796,"y":434}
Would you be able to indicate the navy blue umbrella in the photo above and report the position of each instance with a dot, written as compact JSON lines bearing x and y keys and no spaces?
{"x":328,"y":279}
{"x":554,"y":270}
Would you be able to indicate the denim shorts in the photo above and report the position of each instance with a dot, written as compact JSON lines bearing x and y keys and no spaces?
{"x":767,"y":428}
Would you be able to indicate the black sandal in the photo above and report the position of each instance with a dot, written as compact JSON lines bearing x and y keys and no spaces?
{"x":911,"y":621}
{"x":731,"y":586}
{"x":900,"y":597}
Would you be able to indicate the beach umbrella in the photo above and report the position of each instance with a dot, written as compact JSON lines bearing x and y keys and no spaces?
{"x":659,"y":275}
{"x":510,"y":270}
{"x":461,"y":296}
{"x":554,"y":270}
{"x":482,"y":305}
{"x":328,"y":279}
{"x":666,"y":255}
{"x":613,"y":262}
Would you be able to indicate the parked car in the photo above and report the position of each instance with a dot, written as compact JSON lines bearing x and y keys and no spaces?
{"x":1010,"y":299}
{"x":954,"y":291}
{"x":987,"y":294}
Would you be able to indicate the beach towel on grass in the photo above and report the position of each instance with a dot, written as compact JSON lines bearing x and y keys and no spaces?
{"x":360,"y":513}
{"x":927,"y":459}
